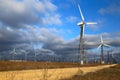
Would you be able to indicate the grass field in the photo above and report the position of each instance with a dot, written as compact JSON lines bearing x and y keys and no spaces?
{"x":112,"y":73}
{"x":49,"y":74}
{"x":10,"y":66}
{"x":56,"y":71}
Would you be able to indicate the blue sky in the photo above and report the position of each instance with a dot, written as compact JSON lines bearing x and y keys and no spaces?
{"x":99,"y":11}
{"x":51,"y":25}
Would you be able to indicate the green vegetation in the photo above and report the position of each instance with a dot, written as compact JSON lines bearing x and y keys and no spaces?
{"x":112,"y":73}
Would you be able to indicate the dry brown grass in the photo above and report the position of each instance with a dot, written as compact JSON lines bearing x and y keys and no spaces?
{"x":10,"y":66}
{"x":112,"y":73}
{"x":7,"y":65}
{"x":41,"y":74}
{"x":48,"y":74}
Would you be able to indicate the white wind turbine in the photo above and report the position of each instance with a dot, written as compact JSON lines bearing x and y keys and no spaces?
{"x":25,"y":54}
{"x":81,"y":24}
{"x":102,"y":45}
{"x":13,"y":53}
{"x":34,"y":50}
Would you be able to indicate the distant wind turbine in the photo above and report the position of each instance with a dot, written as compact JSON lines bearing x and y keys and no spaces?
{"x":34,"y":50}
{"x":81,"y":24}
{"x":102,"y":45}
{"x":35,"y":55}
{"x":25,"y":54}
{"x":13,"y":53}
{"x":108,"y":53}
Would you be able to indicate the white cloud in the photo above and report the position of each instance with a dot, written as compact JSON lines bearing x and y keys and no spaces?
{"x":110,"y":10}
{"x":52,"y":19}
{"x":113,"y":9}
{"x":18,"y":13}
{"x":71,"y":19}
{"x":52,"y":44}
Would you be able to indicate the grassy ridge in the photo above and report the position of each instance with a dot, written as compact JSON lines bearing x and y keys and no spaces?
{"x":112,"y":73}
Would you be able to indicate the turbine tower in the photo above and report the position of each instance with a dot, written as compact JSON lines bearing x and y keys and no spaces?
{"x":102,"y":45}
{"x":26,"y":53}
{"x":108,"y":52}
{"x":81,"y":24}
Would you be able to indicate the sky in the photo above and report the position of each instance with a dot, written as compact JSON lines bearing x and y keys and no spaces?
{"x":50,"y":26}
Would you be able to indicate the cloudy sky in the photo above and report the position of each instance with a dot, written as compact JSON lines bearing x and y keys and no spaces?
{"x":51,"y":25}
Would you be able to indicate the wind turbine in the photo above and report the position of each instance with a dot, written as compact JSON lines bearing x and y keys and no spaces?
{"x":108,"y":52}
{"x":13,"y":53}
{"x":35,"y":54}
{"x":34,"y":51}
{"x":102,"y":45}
{"x":81,"y":24}
{"x":25,"y":54}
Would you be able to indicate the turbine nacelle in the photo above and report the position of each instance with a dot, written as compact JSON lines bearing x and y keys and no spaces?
{"x":81,"y":23}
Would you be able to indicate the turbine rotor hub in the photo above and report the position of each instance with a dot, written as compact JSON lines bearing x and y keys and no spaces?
{"x":81,"y":23}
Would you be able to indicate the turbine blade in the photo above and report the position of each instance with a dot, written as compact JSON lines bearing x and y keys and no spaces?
{"x":99,"y":46}
{"x":81,"y":12}
{"x":15,"y":53}
{"x":79,"y":24}
{"x":11,"y":52}
{"x":107,"y":45}
{"x":101,"y":39}
{"x":14,"y":49}
{"x":91,"y":23}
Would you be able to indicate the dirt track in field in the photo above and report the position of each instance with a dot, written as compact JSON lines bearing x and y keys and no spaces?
{"x":48,"y":74}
